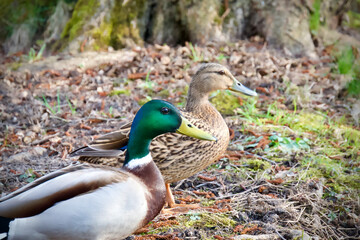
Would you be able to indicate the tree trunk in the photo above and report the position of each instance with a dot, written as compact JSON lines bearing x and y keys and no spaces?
{"x":289,"y":25}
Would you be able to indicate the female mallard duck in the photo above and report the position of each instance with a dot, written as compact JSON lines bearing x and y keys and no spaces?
{"x":97,"y":202}
{"x":178,"y":156}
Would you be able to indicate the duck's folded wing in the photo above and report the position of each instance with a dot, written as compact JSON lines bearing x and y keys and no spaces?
{"x":108,"y":145}
{"x":61,"y":185}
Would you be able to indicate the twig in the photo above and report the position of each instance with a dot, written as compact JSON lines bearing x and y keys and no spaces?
{"x":206,"y":183}
{"x":280,"y":126}
{"x":300,"y":177}
{"x":62,"y":119}
{"x":343,"y":106}
{"x":279,"y":234}
{"x":44,"y":139}
{"x":227,"y":11}
{"x":238,"y":194}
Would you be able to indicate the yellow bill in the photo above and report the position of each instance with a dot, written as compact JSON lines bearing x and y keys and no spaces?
{"x":189,"y":129}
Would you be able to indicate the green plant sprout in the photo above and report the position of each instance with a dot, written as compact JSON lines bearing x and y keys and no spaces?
{"x":286,"y":144}
{"x":58,"y":101}
{"x":148,"y":84}
{"x":315,"y":17}
{"x":345,"y":61}
{"x":46,"y":103}
{"x":111,"y":111}
{"x":353,"y":87}
{"x":221,"y":57}
{"x":194,"y":55}
{"x":33,"y":56}
{"x":28,"y":175}
{"x":56,"y":109}
{"x":72,"y":108}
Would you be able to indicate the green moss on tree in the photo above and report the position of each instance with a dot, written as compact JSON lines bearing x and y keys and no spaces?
{"x":102,"y":35}
{"x":124,"y":22}
{"x":83,"y":11}
{"x":116,"y":30}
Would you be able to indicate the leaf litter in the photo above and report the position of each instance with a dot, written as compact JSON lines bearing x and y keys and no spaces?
{"x":291,"y":169}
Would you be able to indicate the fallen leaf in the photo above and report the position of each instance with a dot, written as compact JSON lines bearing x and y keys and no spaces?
{"x":276,"y":181}
{"x":133,"y":76}
{"x":250,"y":229}
{"x":263,"y":189}
{"x":207,"y":178}
{"x":238,"y":228}
{"x":84,"y":126}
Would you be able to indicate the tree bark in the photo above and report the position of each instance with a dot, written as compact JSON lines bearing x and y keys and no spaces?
{"x":283,"y":24}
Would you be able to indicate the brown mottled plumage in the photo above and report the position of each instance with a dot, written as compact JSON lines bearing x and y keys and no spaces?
{"x":178,"y":156}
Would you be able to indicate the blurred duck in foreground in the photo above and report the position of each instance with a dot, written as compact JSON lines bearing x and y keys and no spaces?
{"x":98,"y":202}
{"x":177,"y":156}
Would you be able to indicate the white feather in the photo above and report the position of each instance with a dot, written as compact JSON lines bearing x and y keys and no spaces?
{"x":138,"y":162}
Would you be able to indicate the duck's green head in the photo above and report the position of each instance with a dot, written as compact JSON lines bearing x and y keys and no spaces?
{"x":157,"y":117}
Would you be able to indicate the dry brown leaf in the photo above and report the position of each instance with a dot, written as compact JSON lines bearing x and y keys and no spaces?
{"x":276,"y":181}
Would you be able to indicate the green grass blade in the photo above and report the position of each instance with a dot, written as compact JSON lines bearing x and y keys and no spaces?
{"x":46,"y":103}
{"x":58,"y":102}
{"x":72,"y":108}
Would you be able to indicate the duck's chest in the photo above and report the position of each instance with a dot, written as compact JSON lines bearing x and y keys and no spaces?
{"x":112,"y":212}
{"x":212,"y":122}
{"x":179,"y":156}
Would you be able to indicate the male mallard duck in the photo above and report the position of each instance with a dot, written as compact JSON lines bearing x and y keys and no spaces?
{"x":178,"y":157}
{"x":98,"y":202}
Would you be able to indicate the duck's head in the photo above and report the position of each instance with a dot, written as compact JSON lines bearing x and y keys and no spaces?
{"x":212,"y":76}
{"x":157,"y":117}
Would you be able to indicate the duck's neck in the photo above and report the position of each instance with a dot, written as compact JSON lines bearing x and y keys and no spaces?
{"x":138,"y":160}
{"x":198,"y":104}
{"x":137,"y":147}
{"x":145,"y":169}
{"x":196,"y":100}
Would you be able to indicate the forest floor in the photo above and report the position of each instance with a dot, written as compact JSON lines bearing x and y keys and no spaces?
{"x":292,"y":169}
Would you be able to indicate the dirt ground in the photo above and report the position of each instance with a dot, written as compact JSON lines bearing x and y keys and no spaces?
{"x":291,"y":170}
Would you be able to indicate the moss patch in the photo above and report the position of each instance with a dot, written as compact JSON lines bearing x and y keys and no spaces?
{"x":209,"y":220}
{"x":310,"y":122}
{"x":256,"y":164}
{"x":102,"y":35}
{"x":116,"y":92}
{"x":118,"y":29}
{"x":165,"y":93}
{"x":225,"y":102}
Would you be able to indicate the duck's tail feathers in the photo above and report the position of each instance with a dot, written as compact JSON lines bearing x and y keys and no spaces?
{"x":4,"y":227}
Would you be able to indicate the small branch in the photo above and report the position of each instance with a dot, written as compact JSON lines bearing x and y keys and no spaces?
{"x":44,"y":139}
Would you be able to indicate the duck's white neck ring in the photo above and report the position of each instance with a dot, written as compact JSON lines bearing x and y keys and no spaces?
{"x":139,"y":162}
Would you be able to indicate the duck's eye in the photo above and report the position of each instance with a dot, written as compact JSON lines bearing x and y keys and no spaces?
{"x":165,"y":110}
{"x":221,"y":72}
